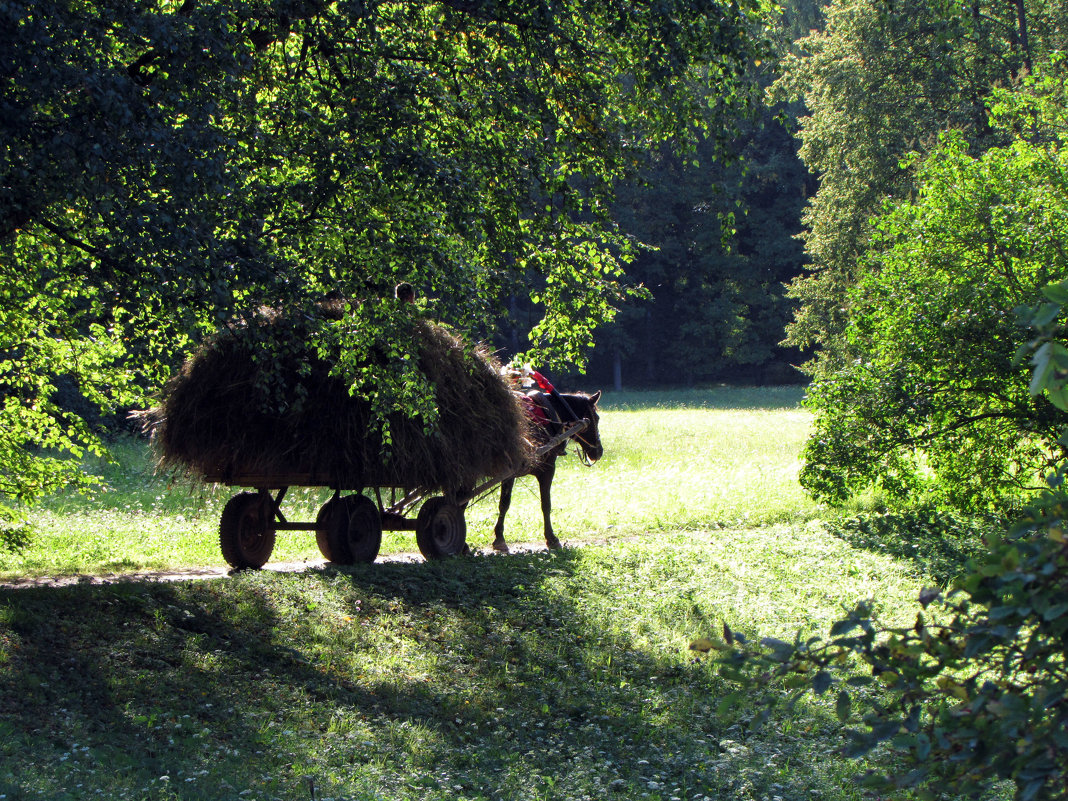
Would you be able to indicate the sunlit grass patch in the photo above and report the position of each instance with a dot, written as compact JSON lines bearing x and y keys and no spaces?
{"x":676,"y":460}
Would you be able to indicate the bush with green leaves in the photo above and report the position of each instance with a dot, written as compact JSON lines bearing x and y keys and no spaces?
{"x":976,"y":689}
{"x":938,"y":402}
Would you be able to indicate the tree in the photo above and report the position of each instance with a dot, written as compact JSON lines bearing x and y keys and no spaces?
{"x":169,"y":167}
{"x":721,"y":234}
{"x":721,"y":237}
{"x":879,"y":81}
{"x":938,"y":394}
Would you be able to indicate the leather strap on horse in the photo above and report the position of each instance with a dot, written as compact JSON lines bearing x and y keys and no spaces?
{"x":546,"y":386}
{"x":540,"y":409}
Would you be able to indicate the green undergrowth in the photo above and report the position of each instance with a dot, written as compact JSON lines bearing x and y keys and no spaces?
{"x":563,"y":675}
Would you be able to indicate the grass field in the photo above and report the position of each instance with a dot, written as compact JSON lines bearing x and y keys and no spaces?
{"x":701,"y":459}
{"x":563,"y":675}
{"x":539,"y":676}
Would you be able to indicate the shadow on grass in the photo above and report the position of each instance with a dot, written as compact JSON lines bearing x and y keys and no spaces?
{"x":937,"y":542}
{"x":142,"y":689}
{"x":493,"y":677}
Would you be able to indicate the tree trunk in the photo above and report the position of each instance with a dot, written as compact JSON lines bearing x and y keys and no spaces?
{"x":513,"y":317}
{"x":650,"y":350}
{"x":1021,"y":34}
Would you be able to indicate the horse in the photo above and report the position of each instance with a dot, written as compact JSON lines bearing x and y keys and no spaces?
{"x":549,"y":413}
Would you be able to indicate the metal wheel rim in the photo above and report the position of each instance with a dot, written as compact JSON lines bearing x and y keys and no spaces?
{"x":251,"y":531}
{"x":445,"y":531}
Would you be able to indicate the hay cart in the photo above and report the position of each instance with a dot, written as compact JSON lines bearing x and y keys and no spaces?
{"x":348,"y":528}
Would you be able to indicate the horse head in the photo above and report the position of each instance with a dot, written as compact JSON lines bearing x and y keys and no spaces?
{"x":585,"y":406}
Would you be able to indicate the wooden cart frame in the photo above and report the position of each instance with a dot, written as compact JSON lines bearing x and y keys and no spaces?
{"x":348,"y":528}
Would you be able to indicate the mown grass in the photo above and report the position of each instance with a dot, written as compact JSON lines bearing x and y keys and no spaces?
{"x":561,"y":675}
{"x":701,"y":459}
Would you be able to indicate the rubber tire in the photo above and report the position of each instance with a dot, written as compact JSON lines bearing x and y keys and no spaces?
{"x":440,"y":529}
{"x":328,"y":534}
{"x":349,"y":530}
{"x":246,"y":530}
{"x":364,"y":528}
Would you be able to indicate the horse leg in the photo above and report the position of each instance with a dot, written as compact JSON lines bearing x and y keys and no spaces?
{"x":545,"y":482}
{"x":506,"y":500}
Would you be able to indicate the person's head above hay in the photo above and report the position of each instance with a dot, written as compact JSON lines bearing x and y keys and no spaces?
{"x":259,"y":401}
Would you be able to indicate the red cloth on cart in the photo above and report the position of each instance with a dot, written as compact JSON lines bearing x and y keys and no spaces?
{"x":533,"y":410}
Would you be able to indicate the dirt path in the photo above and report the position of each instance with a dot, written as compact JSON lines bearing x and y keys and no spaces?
{"x":221,"y":571}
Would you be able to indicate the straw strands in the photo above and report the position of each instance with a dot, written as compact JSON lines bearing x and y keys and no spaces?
{"x":257,"y":405}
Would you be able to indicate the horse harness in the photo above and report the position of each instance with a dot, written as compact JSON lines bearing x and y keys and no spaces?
{"x":546,"y":414}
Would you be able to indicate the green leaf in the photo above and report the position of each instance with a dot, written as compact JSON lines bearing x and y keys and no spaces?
{"x":929,"y":594}
{"x":841,"y":627}
{"x":1043,"y":368}
{"x":1058,"y":396}
{"x":1055,"y":611}
{"x":923,"y":746}
{"x":1032,"y":789}
{"x":1046,"y":314}
{"x":705,"y":645}
{"x":1057,"y":293}
{"x":913,"y":777}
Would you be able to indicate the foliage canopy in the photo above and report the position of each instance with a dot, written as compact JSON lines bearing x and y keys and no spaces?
{"x":936,"y":389}
{"x":880,"y":80}
{"x":167,"y":167}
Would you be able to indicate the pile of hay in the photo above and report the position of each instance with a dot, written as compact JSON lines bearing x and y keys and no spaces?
{"x":212,"y":422}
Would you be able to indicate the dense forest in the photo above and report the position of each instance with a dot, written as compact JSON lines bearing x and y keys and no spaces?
{"x":722,"y":236}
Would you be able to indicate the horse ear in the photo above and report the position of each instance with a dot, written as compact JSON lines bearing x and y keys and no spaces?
{"x":596,"y":396}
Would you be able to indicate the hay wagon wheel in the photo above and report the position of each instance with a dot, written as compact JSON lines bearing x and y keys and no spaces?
{"x":246,"y":530}
{"x":440,"y":529}
{"x":349,"y":529}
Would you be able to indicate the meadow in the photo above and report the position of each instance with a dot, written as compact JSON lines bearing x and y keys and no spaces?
{"x":717,"y":458}
{"x":537,"y":675}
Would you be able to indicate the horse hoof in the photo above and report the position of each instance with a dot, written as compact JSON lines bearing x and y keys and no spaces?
{"x":553,"y":544}
{"x":501,"y":546}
